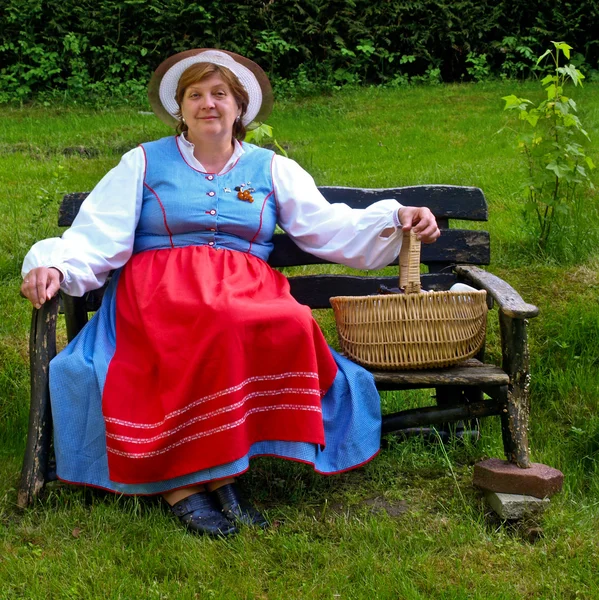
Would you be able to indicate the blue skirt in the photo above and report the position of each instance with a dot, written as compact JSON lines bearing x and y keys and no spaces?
{"x":350,"y":410}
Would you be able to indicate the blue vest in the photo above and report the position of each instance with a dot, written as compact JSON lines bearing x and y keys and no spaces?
{"x":186,"y":207}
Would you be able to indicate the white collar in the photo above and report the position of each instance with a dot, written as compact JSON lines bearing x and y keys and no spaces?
{"x":188,"y":147}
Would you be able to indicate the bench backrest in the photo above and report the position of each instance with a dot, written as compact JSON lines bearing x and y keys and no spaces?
{"x":455,"y":246}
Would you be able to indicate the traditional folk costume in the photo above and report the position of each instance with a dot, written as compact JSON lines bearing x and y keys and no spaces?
{"x":199,"y":358}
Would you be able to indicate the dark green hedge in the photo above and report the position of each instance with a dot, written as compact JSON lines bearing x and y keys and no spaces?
{"x":85,"y":48}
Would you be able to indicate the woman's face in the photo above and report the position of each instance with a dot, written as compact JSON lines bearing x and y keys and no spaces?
{"x":209,"y":109}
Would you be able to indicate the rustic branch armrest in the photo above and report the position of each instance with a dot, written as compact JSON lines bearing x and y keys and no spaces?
{"x":42,"y":349}
{"x":508,"y":299}
{"x":513,"y":315}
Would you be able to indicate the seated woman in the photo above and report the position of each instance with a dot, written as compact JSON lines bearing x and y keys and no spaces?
{"x":199,"y":358}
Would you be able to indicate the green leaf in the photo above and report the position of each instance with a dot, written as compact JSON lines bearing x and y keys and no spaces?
{"x":559,"y":170}
{"x":574,"y":150}
{"x":543,"y":56}
{"x":565,"y":48}
{"x":548,"y":79}
{"x":573,"y":73}
{"x":589,"y":162}
{"x":551,"y":91}
{"x":511,"y":101}
{"x":258,"y":134}
{"x":571,"y":121}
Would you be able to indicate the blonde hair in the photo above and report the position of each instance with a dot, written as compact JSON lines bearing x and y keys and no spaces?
{"x":200,"y":71}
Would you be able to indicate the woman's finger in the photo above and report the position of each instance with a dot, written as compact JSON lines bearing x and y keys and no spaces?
{"x":53,"y":283}
{"x":40,"y":286}
{"x":29,"y":287}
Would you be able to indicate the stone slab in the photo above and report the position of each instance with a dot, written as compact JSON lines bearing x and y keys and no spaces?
{"x":516,"y":506}
{"x":496,"y":475}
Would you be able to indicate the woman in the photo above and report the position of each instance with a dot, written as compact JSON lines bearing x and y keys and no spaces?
{"x":199,"y":358}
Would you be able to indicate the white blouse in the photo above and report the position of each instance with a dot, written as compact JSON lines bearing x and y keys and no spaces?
{"x":101,"y":236}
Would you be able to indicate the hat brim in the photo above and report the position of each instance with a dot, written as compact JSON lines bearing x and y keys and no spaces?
{"x":163,"y":84}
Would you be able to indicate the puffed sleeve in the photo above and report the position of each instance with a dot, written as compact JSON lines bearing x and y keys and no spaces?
{"x":101,"y":236}
{"x":367,"y":238}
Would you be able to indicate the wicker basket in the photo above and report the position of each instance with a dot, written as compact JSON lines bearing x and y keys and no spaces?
{"x":414,"y":330}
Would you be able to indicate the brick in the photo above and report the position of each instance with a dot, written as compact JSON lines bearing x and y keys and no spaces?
{"x":515,"y":506}
{"x":496,"y":475}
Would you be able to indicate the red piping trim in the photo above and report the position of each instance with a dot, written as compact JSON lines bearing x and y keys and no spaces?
{"x":305,"y":462}
{"x":272,"y":182}
{"x":170,"y":233}
{"x":182,"y":487}
{"x":261,"y":213}
{"x":145,"y":161}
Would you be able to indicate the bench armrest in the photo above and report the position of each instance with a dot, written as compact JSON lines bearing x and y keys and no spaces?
{"x":513,"y":321}
{"x":42,"y":349}
{"x":508,"y":299}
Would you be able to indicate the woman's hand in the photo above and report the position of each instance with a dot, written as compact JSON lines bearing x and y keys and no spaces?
{"x":421,"y":220}
{"x":41,"y":284}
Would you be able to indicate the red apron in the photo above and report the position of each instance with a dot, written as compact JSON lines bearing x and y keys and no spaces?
{"x":212,"y":355}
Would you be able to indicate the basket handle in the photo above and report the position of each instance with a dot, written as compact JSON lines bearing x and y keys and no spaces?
{"x":409,"y":263}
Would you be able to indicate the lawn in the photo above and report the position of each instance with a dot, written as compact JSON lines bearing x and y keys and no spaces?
{"x":407,"y":525}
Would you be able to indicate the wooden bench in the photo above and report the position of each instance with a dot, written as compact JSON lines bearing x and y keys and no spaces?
{"x":464,"y":392}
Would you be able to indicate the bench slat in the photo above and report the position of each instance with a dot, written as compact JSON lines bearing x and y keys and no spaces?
{"x":454,"y":246}
{"x":469,"y":373}
{"x":315,"y":290}
{"x":445,"y":201}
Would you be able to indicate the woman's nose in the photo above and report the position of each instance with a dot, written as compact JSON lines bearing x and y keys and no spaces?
{"x":207,"y":101}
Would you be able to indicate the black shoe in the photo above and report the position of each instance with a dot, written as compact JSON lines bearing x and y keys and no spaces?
{"x":236,"y":510}
{"x":200,"y":513}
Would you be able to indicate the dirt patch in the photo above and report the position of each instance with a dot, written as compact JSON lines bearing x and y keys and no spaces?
{"x":393,"y":509}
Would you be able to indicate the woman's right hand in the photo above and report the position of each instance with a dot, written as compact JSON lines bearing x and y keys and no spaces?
{"x":41,"y":284}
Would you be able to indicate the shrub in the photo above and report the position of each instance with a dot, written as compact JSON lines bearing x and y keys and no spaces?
{"x":556,"y":163}
{"x":112,"y":46}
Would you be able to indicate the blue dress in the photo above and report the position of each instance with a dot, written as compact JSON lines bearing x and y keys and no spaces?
{"x":185,"y":209}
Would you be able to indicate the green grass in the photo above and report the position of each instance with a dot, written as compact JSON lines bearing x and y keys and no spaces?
{"x":408,"y":525}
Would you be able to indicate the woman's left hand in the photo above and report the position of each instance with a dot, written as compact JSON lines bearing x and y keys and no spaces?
{"x":41,"y":284}
{"x":421,"y":220}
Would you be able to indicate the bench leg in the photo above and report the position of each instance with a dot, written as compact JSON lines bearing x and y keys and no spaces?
{"x":514,"y":344}
{"x":457,"y":396}
{"x":42,"y":348}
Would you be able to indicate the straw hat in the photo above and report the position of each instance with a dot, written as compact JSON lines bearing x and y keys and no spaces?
{"x":163,"y":84}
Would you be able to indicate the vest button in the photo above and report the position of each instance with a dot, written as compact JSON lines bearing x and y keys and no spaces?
{"x":210,"y":177}
{"x":211,"y":194}
{"x":212,"y":212}
{"x":211,"y":243}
